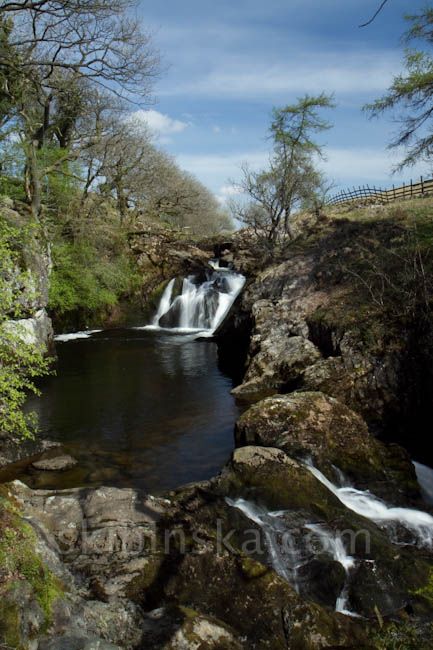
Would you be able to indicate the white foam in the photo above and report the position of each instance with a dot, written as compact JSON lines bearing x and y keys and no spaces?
{"x":72,"y":336}
{"x":424,"y":475}
{"x":200,"y":307}
{"x":419,"y":523}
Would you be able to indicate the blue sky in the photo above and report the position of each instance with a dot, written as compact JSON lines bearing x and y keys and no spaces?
{"x":228,"y":63}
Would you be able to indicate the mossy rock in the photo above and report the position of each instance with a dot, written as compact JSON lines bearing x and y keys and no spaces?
{"x":28,"y":589}
{"x":314,"y":425}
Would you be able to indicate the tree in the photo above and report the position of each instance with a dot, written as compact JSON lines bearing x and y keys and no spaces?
{"x":292,"y":179}
{"x":55,"y":49}
{"x":412,"y":93}
{"x":375,"y":15}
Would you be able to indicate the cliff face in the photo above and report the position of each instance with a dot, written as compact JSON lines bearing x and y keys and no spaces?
{"x":30,"y":280}
{"x":343,"y":312}
{"x":26,"y":265}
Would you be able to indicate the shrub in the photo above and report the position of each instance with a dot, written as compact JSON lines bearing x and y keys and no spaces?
{"x":85,"y":279}
{"x":20,"y":363}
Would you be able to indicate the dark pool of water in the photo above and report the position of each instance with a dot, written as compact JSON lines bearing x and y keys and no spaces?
{"x":136,"y":409}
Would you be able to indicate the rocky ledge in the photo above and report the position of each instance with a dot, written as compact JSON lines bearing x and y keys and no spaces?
{"x":264,"y":555}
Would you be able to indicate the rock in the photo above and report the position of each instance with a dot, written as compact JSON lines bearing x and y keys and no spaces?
{"x":276,"y":619}
{"x":14,"y":450}
{"x":279,"y":482}
{"x":57,"y":464}
{"x":37,"y":330}
{"x":44,"y":603}
{"x":185,"y":629}
{"x":279,"y":364}
{"x":314,"y":425}
{"x":107,"y":534}
{"x":77,"y":643}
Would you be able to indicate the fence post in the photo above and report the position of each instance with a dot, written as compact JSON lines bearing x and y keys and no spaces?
{"x":422,"y":185}
{"x":411,"y":188}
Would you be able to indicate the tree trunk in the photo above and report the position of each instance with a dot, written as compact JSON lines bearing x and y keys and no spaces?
{"x":33,"y":181}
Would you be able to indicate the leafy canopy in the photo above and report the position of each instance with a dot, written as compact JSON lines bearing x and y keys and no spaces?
{"x":410,"y":95}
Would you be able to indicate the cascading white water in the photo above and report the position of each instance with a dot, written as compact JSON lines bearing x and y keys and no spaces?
{"x":417,"y":522}
{"x":289,"y":552}
{"x":200,"y":306}
{"x":424,"y":475}
{"x":285,"y":557}
{"x":165,"y":301}
{"x":333,"y":544}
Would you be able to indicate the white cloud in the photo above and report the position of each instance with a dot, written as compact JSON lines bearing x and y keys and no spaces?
{"x":356,"y":72}
{"x":217,"y":170}
{"x":216,"y":129}
{"x":345,"y":166}
{"x":357,"y":166}
{"x":228,"y":191}
{"x":160,"y":123}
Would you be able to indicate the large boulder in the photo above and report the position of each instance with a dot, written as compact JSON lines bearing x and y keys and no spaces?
{"x":312,"y":425}
{"x":107,"y":535}
{"x":278,"y":365}
{"x":270,"y":511}
{"x":46,"y":603}
{"x":37,"y":330}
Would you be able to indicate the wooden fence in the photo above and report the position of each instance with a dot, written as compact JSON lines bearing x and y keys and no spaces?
{"x":367,"y":194}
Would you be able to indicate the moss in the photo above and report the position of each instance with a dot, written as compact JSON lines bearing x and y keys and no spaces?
{"x":10,"y":625}
{"x":426,"y":592}
{"x":147,"y":579}
{"x":403,"y":636}
{"x":20,"y":563}
{"x":252,"y":569}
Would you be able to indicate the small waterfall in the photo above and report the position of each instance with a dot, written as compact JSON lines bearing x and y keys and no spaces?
{"x":417,"y":522}
{"x":289,"y":550}
{"x":285,"y":558}
{"x":165,"y":302}
{"x":333,"y":545}
{"x":200,"y":306}
{"x":424,"y":475}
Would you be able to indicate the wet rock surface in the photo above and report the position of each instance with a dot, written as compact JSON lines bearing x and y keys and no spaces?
{"x":55,"y":464}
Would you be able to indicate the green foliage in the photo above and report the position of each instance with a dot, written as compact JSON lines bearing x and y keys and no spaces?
{"x":61,"y":182}
{"x":20,"y":362}
{"x":426,"y":592}
{"x":293,"y":126}
{"x":19,"y":560}
{"x":12,"y":188}
{"x":411,"y":92}
{"x":82,"y":279}
{"x":403,"y":636}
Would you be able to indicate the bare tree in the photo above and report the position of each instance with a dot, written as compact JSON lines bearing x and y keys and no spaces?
{"x":375,"y":15}
{"x":56,"y":49}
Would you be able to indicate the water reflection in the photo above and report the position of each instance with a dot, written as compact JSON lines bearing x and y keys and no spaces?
{"x":137,"y":409}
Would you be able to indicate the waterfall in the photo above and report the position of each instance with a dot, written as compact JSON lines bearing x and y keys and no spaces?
{"x":417,"y":522}
{"x":333,"y":544}
{"x":289,"y":549}
{"x":199,"y":306}
{"x":286,"y":558}
{"x":165,"y":302}
{"x":424,"y":475}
